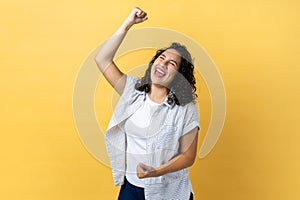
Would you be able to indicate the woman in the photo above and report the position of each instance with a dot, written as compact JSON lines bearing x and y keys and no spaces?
{"x":152,"y":136}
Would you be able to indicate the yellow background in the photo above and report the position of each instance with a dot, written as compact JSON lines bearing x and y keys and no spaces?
{"x":255,"y":45}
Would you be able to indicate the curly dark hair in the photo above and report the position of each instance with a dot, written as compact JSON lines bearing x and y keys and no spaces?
{"x":182,"y":90}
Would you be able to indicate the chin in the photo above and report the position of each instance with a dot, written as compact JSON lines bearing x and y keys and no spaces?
{"x":160,"y":82}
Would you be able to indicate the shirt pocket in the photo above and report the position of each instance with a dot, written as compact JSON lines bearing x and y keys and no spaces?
{"x":167,"y":140}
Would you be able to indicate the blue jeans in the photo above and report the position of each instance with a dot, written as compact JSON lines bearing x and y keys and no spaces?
{"x":132,"y":192}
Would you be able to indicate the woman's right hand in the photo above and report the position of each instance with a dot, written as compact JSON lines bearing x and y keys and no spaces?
{"x":136,"y":16}
{"x":104,"y":58}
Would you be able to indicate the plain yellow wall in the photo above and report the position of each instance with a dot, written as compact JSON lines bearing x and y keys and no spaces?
{"x":255,"y":45}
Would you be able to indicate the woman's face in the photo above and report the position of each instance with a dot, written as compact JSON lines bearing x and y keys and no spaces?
{"x":165,"y":67}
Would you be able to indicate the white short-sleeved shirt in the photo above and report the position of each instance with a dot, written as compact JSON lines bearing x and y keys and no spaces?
{"x":168,"y":124}
{"x":136,"y":129}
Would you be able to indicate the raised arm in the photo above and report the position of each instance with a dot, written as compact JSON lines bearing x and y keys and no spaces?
{"x":104,"y":58}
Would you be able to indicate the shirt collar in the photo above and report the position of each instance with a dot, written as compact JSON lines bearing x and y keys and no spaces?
{"x":138,"y":93}
{"x":167,"y":104}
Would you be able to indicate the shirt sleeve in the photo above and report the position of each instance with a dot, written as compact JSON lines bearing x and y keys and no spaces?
{"x":191,"y":119}
{"x":129,"y":86}
{"x":122,"y":104}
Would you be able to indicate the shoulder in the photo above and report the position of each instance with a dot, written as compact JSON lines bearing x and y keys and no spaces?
{"x":190,"y":117}
{"x":189,"y":107}
{"x":130,"y":80}
{"x":129,"y":85}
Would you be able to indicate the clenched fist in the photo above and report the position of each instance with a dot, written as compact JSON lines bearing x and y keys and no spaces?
{"x":145,"y":171}
{"x":136,"y":16}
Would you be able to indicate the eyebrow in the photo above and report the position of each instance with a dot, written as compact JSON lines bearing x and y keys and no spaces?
{"x":170,"y":60}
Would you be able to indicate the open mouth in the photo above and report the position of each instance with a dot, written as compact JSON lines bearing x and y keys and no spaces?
{"x":160,"y":73}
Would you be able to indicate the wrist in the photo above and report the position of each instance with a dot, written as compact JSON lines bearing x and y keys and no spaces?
{"x":155,"y":172}
{"x":127,"y":25}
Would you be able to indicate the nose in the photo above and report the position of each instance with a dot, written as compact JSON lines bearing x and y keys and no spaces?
{"x":163,"y":64}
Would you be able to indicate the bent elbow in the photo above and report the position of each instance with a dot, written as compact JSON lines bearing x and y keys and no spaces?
{"x":100,"y":61}
{"x":190,"y":159}
{"x":190,"y":162}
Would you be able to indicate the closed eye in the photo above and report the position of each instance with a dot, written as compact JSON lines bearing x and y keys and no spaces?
{"x":162,"y":57}
{"x":173,"y":63}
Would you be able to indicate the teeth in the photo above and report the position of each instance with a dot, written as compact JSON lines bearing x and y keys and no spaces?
{"x":160,"y":72}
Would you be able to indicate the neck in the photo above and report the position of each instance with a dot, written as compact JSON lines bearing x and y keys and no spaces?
{"x":158,"y":93}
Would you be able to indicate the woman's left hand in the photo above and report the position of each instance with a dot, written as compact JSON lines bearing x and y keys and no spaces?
{"x":145,"y":171}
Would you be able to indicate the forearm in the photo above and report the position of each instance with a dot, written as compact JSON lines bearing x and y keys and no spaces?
{"x":107,"y":52}
{"x":183,"y":160}
{"x":179,"y":162}
{"x":104,"y":58}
